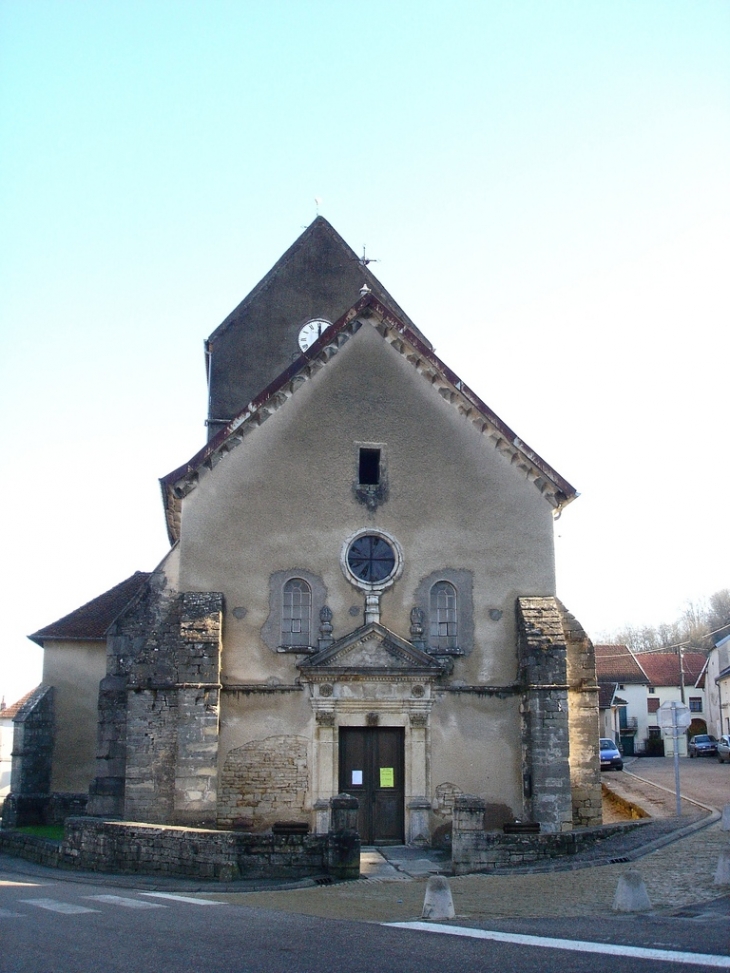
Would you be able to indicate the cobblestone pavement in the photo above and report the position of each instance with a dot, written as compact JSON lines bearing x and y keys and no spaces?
{"x":677,"y":875}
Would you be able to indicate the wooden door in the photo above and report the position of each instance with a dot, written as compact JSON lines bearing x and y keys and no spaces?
{"x":372,"y":770}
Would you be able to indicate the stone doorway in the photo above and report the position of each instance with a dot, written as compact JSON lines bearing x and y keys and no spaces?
{"x":372,"y":770}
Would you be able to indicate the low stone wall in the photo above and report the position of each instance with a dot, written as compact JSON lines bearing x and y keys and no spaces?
{"x":476,"y":850}
{"x":111,"y":846}
{"x":22,"y":810}
{"x":487,"y":850}
{"x":118,"y":847}
{"x":42,"y":851}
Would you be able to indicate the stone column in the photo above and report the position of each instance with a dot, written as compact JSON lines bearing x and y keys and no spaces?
{"x":418,"y":806}
{"x":343,"y":858}
{"x":585,"y":766}
{"x":324,"y":783}
{"x":544,"y":709}
{"x":467,"y":832}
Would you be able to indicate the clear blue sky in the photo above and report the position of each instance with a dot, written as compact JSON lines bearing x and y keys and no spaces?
{"x":545,"y":185}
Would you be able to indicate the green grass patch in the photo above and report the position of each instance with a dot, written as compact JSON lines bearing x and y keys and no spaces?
{"x":54,"y":832}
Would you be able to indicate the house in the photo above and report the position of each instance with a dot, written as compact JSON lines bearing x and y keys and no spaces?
{"x":717,"y":688}
{"x":623,"y":685}
{"x":676,"y":677}
{"x":641,"y":683}
{"x":359,"y":594}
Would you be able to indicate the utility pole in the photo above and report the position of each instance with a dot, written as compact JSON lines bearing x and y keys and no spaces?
{"x":680,"y":653}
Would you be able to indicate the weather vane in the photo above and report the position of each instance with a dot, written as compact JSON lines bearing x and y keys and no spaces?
{"x":365,"y":260}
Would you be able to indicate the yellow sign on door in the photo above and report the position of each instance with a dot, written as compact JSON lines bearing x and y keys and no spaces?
{"x":387,"y":777}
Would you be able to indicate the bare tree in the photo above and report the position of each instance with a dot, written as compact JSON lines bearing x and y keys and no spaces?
{"x":701,"y":625}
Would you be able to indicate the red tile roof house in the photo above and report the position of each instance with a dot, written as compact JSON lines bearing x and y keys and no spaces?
{"x":676,"y":676}
{"x":622,"y":700}
{"x":634,"y":685}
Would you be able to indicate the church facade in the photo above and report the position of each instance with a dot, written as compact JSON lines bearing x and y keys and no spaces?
{"x":359,"y":595}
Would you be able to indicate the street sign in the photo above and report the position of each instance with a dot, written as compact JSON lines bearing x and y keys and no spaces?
{"x":674,"y":714}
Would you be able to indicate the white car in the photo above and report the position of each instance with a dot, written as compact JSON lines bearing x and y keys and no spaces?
{"x":723,"y":749}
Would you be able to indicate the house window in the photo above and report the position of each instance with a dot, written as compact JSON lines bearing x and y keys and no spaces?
{"x":695,"y":704}
{"x":296,"y":615}
{"x":369,"y":467}
{"x":443,"y":616}
{"x":652,"y":689}
{"x":652,"y":705}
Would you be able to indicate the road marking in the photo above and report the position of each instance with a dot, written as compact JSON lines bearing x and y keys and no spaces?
{"x":181,"y":898}
{"x":67,"y":908}
{"x":575,"y":946}
{"x":7,"y":914}
{"x":124,"y":902}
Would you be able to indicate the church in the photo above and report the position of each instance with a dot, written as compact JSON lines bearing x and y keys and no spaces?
{"x":359,"y":596}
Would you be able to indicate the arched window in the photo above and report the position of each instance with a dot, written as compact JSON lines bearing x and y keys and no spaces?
{"x":296,"y":615}
{"x":443,"y":617}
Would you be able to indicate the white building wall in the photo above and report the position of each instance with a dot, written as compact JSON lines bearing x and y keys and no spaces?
{"x":6,"y":748}
{"x":718,"y":691}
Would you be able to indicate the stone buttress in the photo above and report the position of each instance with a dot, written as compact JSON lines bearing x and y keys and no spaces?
{"x":159,"y":710}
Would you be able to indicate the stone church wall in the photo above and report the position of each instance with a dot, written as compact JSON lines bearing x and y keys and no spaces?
{"x":265,"y":781}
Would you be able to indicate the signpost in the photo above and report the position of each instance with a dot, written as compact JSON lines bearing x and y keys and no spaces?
{"x":674,"y":718}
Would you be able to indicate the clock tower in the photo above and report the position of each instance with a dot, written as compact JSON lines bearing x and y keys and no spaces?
{"x":316,"y":281}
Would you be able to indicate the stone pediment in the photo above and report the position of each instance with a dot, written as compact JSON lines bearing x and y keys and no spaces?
{"x":372,"y":650}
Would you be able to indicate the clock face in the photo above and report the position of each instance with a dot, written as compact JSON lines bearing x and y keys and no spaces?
{"x":311,"y":331}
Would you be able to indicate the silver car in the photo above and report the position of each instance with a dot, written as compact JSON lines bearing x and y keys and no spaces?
{"x":723,"y":749}
{"x":702,"y":745}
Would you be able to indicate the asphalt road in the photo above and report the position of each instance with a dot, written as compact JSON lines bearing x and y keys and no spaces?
{"x":702,"y":779}
{"x":72,"y":927}
{"x":71,"y":924}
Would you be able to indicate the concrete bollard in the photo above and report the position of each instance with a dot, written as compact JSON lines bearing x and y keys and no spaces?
{"x":726,"y":818}
{"x":722,"y":875}
{"x":437,"y":903}
{"x":631,"y":894}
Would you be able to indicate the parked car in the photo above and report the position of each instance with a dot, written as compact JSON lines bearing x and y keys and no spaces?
{"x":611,"y":758}
{"x":723,"y":749}
{"x":702,"y":745}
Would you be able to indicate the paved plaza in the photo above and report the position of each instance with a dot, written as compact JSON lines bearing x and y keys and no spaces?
{"x":676,"y":857}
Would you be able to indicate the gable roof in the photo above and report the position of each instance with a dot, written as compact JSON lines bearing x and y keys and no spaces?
{"x":618,"y":664}
{"x":401,"y":337}
{"x":10,"y":712}
{"x":318,"y":278}
{"x":319,"y":241}
{"x":662,"y":668}
{"x":605,"y":694}
{"x":91,"y":621}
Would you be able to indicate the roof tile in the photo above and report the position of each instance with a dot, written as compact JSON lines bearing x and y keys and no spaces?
{"x":93,"y":619}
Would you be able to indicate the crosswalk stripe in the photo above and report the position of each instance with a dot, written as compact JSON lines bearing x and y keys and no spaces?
{"x":52,"y":905}
{"x":180,"y":898}
{"x":125,"y":902}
